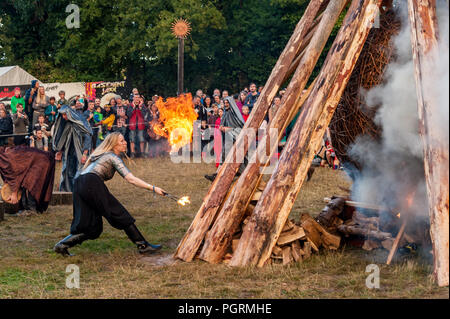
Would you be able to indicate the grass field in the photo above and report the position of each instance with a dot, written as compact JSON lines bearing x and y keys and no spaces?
{"x":110,"y":266}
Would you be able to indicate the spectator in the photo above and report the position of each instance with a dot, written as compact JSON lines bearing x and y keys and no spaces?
{"x":137,"y":115}
{"x":6,"y":125}
{"x":245,"y":112}
{"x":200,"y":109}
{"x":218,"y":139}
{"x":121,"y":116}
{"x":274,"y":108}
{"x":98,"y":121}
{"x":113,"y":103}
{"x":50,"y":111}
{"x":39,"y":141}
{"x":41,"y":125}
{"x":62,"y":99}
{"x":241,"y":100}
{"x":199,"y":93}
{"x":109,"y":117}
{"x":225,"y":94}
{"x":212,"y":118}
{"x":30,"y":97}
{"x":154,"y":140}
{"x":20,"y":120}
{"x":260,"y":89}
{"x":251,"y":97}
{"x":89,"y":116}
{"x":134,"y":93}
{"x":17,"y":98}
{"x":216,"y":92}
{"x":97,"y":104}
{"x":281,"y":93}
{"x":208,"y":104}
{"x":40,"y":104}
{"x":217,"y":100}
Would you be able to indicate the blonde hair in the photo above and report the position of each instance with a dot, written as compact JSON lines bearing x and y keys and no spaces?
{"x":40,"y":98}
{"x":107,"y":146}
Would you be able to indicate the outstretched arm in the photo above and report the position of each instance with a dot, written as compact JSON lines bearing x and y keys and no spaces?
{"x":130,"y":178}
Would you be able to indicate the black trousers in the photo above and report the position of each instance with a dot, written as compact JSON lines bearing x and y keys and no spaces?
{"x":92,"y":201}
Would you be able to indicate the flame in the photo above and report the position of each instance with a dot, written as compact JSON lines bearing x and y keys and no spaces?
{"x":177,"y":115}
{"x":184,"y":200}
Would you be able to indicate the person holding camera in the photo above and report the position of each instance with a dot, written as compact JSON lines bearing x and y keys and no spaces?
{"x":39,"y":141}
{"x":20,"y":121}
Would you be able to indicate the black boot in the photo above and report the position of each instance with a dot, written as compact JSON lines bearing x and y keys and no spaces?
{"x":136,"y":237}
{"x":63,"y":246}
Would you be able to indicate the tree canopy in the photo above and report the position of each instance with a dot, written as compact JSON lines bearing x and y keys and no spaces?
{"x":232,"y":42}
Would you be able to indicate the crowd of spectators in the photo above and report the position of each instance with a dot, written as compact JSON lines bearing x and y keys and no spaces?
{"x":30,"y":118}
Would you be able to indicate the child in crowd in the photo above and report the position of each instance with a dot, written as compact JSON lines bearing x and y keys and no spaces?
{"x":50,"y":111}
{"x":245,"y":112}
{"x":16,"y":99}
{"x":20,"y":121}
{"x":109,"y":118}
{"x":62,"y":99}
{"x":98,"y":120}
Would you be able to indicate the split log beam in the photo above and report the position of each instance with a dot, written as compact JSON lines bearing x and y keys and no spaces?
{"x":231,"y":214}
{"x":424,"y":38}
{"x":194,"y":236}
{"x":261,"y":233}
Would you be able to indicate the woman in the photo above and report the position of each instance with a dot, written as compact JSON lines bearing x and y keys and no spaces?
{"x":6,"y":126}
{"x":40,"y":104}
{"x":218,"y":139}
{"x":241,"y":100}
{"x":92,"y":200}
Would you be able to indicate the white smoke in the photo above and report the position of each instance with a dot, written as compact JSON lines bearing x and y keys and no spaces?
{"x":393,"y":168}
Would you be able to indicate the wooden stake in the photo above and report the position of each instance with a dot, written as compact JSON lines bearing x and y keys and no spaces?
{"x":230,"y":216}
{"x":194,"y":236}
{"x":261,"y":233}
{"x":424,"y":38}
{"x":396,"y":242}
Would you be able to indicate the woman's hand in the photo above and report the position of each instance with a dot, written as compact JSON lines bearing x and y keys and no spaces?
{"x":58,"y":156}
{"x":159,"y":191}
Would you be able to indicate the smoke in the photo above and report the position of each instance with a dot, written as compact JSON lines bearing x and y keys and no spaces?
{"x":393,"y":168}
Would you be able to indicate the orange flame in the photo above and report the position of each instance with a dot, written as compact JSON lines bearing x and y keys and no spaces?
{"x":184,"y":200}
{"x":177,"y":115}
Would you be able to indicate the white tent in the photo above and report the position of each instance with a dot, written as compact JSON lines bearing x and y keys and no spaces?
{"x":15,"y":76}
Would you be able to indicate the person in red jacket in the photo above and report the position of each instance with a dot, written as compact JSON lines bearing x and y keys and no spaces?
{"x":137,"y":118}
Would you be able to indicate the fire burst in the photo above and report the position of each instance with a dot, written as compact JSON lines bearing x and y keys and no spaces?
{"x":184,"y":200}
{"x":177,"y":115}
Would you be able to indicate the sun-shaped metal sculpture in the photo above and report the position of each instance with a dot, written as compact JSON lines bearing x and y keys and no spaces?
{"x":181,"y":28}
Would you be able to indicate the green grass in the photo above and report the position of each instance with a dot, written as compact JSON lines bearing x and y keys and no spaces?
{"x":110,"y":267}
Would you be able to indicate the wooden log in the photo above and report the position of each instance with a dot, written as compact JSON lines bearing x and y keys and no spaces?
{"x":277,"y":251}
{"x":328,"y":217}
{"x":215,"y":246}
{"x":292,"y":235}
{"x":318,"y":235}
{"x":370,"y":244}
{"x":287,"y":255}
{"x":194,"y":236}
{"x":424,"y":38}
{"x":358,"y":231}
{"x":288,"y":226}
{"x":296,"y":251}
{"x":261,"y":233}
{"x":306,"y":251}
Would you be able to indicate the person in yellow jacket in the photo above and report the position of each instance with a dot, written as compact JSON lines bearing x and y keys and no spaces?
{"x":109,"y":119}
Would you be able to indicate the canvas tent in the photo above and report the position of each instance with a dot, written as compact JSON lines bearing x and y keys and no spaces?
{"x":12,"y":77}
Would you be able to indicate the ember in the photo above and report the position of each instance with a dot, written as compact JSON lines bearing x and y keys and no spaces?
{"x":184,"y":200}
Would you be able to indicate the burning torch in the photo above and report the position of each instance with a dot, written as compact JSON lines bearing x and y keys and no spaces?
{"x":181,"y":201}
